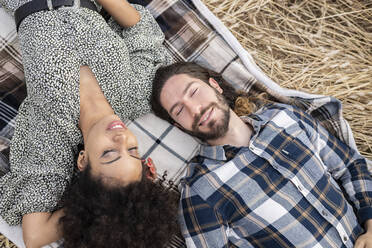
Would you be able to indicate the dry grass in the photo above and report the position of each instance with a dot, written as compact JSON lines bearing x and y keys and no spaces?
{"x":317,"y":46}
{"x":5,"y":243}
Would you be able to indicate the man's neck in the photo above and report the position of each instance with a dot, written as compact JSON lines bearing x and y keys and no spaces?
{"x":238,"y":134}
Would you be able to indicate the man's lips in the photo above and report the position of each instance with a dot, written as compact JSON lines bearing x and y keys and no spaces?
{"x":206,"y":117}
{"x":116,"y":125}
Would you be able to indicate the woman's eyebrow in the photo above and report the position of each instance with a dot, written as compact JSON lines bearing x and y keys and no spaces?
{"x":109,"y":162}
{"x":135,"y":157}
{"x":134,"y":148}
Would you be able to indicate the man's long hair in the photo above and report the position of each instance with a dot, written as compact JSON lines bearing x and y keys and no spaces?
{"x":240,"y":102}
{"x":141,"y":214}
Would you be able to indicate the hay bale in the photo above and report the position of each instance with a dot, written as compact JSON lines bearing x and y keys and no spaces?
{"x":321,"y":47}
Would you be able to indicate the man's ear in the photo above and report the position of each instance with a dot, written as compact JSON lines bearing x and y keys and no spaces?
{"x":212,"y":82}
{"x":82,"y":161}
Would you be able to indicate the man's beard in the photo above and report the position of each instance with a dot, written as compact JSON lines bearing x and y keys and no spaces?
{"x":217,"y":129}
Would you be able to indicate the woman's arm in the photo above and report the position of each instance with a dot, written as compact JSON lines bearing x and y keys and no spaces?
{"x":40,"y":229}
{"x":124,"y":13}
{"x":365,"y":240}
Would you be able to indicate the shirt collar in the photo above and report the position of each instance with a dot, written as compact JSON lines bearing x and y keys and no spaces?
{"x":212,"y":152}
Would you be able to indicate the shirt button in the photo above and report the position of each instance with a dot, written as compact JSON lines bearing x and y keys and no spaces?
{"x":324,"y":213}
{"x":299,"y":188}
{"x":345,"y":238}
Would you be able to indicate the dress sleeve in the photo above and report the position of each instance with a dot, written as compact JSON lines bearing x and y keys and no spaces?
{"x":3,"y":5}
{"x":144,"y":42}
{"x":41,"y":163}
{"x":146,"y":53}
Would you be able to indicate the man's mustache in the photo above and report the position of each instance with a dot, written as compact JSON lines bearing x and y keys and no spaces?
{"x":199,"y":116}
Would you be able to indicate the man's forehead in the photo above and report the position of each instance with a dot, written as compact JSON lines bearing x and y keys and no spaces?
{"x":180,"y":80}
{"x":176,"y":84}
{"x":174,"y":89}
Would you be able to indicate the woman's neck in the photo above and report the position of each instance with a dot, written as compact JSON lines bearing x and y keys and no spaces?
{"x":93,"y":104}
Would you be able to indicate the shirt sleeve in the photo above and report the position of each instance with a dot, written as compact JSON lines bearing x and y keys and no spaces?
{"x":41,"y":164}
{"x":345,"y":165}
{"x":201,"y":225}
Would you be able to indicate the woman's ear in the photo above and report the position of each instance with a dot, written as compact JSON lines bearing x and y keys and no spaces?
{"x":214,"y":84}
{"x":82,"y":161}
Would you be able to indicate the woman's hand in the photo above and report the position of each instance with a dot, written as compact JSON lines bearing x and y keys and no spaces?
{"x":123,"y":13}
{"x":365,"y":240}
{"x":41,"y":229}
{"x":150,"y":169}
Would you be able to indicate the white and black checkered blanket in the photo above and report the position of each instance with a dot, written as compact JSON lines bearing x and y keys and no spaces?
{"x":192,"y":33}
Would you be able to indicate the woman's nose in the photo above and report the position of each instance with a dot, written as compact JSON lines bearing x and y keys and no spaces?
{"x":120,"y":137}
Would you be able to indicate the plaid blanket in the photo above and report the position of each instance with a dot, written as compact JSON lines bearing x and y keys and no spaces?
{"x":192,"y":33}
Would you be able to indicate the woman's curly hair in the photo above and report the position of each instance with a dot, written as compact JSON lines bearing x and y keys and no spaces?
{"x":141,"y":214}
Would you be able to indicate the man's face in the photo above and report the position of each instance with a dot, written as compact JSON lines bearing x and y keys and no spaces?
{"x":196,"y":106}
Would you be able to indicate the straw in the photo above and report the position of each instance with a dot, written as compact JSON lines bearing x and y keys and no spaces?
{"x":317,"y":46}
{"x":321,"y":47}
{"x":5,"y":243}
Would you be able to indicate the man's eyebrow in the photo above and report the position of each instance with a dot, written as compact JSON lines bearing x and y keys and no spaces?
{"x":110,"y":162}
{"x":183,"y":93}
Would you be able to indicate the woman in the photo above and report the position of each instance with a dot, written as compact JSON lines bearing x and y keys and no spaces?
{"x":82,"y":80}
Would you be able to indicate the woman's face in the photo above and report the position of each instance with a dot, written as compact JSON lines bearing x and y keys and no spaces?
{"x":112,"y":152}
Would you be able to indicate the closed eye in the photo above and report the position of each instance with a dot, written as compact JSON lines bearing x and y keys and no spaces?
{"x":179,"y":111}
{"x":133,"y":148}
{"x":194,"y":91}
{"x":114,"y":160}
{"x":106,"y":152}
{"x":109,"y":154}
{"x":133,"y":152}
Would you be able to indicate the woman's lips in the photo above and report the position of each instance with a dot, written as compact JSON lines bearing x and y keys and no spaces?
{"x":116,"y":125}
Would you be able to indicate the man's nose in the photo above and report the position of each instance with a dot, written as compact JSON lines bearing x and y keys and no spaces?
{"x":195,"y":108}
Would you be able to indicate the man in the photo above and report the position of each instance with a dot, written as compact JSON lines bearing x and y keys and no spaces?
{"x":273,"y":178}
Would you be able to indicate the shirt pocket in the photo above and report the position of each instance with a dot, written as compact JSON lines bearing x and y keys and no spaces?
{"x":295,"y":152}
{"x":296,"y":146}
{"x":300,"y":161}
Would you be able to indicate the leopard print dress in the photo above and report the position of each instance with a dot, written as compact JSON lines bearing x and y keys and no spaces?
{"x":54,"y":45}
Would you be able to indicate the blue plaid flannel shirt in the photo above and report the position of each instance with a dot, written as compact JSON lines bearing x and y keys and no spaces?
{"x":283,"y":190}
